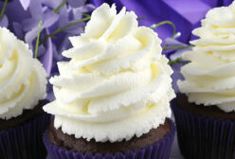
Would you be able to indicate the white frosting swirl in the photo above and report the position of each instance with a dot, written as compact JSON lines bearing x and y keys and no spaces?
{"x":22,"y":78}
{"x":116,"y":85}
{"x":210,"y":76}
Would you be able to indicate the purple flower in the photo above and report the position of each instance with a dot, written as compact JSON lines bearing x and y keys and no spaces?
{"x":4,"y":21}
{"x":25,"y":4}
{"x":3,"y":18}
{"x":173,"y":47}
{"x":58,"y":20}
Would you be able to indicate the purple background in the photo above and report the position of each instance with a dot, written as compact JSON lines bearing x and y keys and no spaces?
{"x":185,"y":14}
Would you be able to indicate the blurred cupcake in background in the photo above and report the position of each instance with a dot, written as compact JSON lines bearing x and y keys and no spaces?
{"x":113,"y":96}
{"x":22,"y":93}
{"x":204,"y":110}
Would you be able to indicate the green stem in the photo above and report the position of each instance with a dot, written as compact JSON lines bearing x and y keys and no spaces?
{"x":57,"y":9}
{"x":176,"y":47}
{"x":58,"y":30}
{"x":37,"y":40}
{"x":172,"y":62}
{"x":3,"y":9}
{"x":154,"y":26}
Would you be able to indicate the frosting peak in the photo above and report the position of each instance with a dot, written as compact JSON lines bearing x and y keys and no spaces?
{"x":117,"y":84}
{"x":22,"y":78}
{"x":210,"y":75}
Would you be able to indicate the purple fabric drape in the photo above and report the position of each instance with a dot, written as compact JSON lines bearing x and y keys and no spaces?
{"x":185,"y":14}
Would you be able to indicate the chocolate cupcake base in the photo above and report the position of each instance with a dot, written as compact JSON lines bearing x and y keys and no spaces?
{"x":204,"y":132}
{"x":21,"y":137}
{"x":154,"y":145}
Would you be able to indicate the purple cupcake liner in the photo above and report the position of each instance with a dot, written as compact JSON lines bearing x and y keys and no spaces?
{"x":201,"y":137}
{"x":25,"y":141}
{"x":159,"y":150}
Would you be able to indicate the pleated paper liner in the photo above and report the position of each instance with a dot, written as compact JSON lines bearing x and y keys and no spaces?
{"x":159,"y":150}
{"x":204,"y":137}
{"x":24,"y":141}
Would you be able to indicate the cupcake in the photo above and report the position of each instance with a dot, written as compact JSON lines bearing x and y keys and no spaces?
{"x":113,"y":95}
{"x":204,"y":108}
{"x":22,"y":93}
